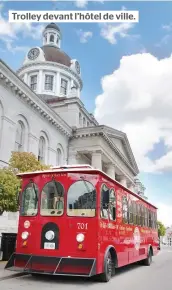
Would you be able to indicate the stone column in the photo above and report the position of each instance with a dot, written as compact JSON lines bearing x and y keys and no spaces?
{"x":123,"y":180}
{"x":96,"y":160}
{"x":131,"y":187}
{"x":111,"y":170}
{"x":72,"y":160}
{"x":57,"y":84}
{"x":40,"y":82}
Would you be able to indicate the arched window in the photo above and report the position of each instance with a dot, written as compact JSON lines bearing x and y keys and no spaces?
{"x":41,"y":151}
{"x":80,"y":120}
{"x":52,"y":199}
{"x":81,"y":199}
{"x":84,"y":122}
{"x":29,"y":204}
{"x":19,"y":143}
{"x":59,"y":157}
{"x":51,"y":38}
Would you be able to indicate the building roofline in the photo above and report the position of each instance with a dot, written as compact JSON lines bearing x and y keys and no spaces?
{"x":100,"y":130}
{"x":25,"y":93}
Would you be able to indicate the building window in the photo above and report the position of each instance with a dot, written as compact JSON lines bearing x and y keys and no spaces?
{"x":19,"y":143}
{"x":59,"y":157}
{"x":88,"y":124}
{"x":80,"y":120}
{"x":33,"y":82}
{"x":41,"y":152}
{"x":84,"y":122}
{"x":49,"y":82}
{"x":51,"y":38}
{"x":63,"y":88}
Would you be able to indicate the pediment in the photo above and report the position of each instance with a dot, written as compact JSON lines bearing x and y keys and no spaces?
{"x":121,"y":142}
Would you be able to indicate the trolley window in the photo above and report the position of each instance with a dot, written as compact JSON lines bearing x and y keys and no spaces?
{"x":81,"y":199}
{"x":125,"y":210}
{"x":112,"y":204}
{"x":29,"y":203}
{"x":52,"y":199}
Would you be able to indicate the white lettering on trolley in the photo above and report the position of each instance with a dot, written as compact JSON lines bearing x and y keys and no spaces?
{"x":82,"y":226}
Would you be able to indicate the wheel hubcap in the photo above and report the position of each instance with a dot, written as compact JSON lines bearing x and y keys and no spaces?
{"x":109,"y":266}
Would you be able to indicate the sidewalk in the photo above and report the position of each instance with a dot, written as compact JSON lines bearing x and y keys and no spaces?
{"x":5,"y":274}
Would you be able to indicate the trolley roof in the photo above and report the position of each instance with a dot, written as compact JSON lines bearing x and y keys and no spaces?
{"x":82,"y":169}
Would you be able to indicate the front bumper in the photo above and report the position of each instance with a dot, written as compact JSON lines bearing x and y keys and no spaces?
{"x":85,"y":267}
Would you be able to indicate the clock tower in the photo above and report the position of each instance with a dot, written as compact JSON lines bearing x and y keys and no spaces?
{"x":49,"y":71}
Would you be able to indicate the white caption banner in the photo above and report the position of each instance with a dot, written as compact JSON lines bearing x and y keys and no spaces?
{"x":74,"y":16}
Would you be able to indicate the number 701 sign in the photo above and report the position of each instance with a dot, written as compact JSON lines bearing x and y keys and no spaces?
{"x":82,"y":226}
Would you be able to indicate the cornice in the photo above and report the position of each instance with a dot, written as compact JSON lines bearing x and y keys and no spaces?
{"x":65,"y":68}
{"x":123,"y":137}
{"x":74,"y":100}
{"x":99,"y":131}
{"x":33,"y":100}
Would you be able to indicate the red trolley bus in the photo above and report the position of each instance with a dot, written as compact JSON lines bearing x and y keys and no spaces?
{"x":77,"y":221}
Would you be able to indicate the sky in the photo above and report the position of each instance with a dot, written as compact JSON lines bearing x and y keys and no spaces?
{"x":127,"y":74}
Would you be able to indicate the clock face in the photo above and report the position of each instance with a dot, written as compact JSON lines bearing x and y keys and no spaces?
{"x":33,"y":53}
{"x":77,"y":67}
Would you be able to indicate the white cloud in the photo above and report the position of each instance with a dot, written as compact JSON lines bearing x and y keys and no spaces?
{"x":83,"y":3}
{"x":167,"y":27}
{"x":10,"y":32}
{"x":110,"y":32}
{"x":137,"y":99}
{"x":164,"y":214}
{"x":84,"y":35}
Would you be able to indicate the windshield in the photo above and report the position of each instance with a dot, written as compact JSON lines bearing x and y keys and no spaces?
{"x":52,"y":199}
{"x":29,"y":204}
{"x":81,"y":199}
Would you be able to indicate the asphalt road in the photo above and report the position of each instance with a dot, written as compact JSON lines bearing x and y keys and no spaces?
{"x":158,"y":276}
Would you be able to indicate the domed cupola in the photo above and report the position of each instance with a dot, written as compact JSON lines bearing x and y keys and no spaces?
{"x":48,"y":70}
{"x":52,"y":35}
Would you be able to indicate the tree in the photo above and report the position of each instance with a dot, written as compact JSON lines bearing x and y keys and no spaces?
{"x":9,"y":187}
{"x":24,"y":162}
{"x":161,"y":229}
{"x":10,"y":184}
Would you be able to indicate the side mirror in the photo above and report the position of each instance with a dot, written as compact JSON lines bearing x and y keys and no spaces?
{"x":105,"y":198}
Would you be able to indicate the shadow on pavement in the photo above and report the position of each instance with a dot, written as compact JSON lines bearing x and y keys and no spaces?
{"x":78,"y":280}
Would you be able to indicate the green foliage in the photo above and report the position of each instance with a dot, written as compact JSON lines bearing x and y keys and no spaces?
{"x":10,"y":184}
{"x":161,"y":229}
{"x":25,"y":161}
{"x":9,"y":187}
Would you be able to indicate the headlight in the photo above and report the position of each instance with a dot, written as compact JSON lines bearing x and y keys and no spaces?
{"x":50,"y":235}
{"x":24,"y":235}
{"x":80,"y":238}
